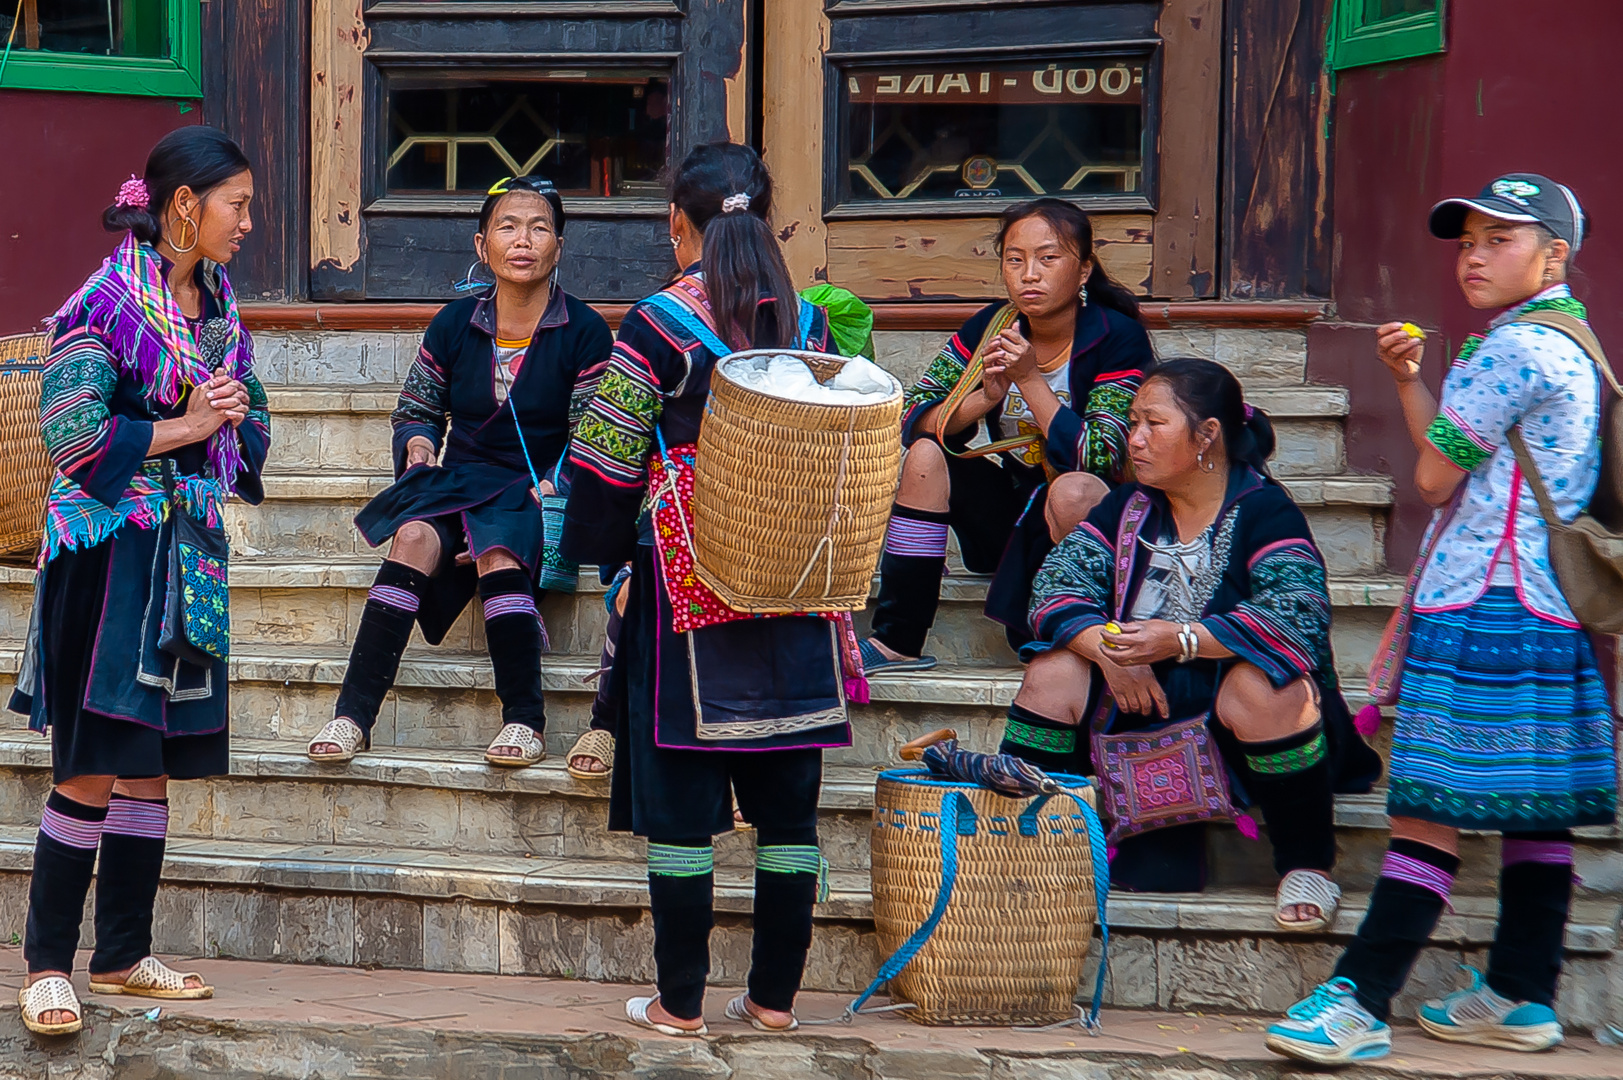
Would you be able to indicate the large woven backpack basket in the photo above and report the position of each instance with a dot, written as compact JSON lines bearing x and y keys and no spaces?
{"x":791,"y":498}
{"x":985,"y":904}
{"x":25,"y":467}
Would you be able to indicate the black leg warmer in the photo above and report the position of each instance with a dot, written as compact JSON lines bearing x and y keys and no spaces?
{"x":513,"y":634}
{"x":1403,"y":911}
{"x":385,"y":630}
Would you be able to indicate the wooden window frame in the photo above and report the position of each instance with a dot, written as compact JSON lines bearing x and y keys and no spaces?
{"x":1357,"y":41}
{"x":836,"y":65}
{"x":178,"y":76}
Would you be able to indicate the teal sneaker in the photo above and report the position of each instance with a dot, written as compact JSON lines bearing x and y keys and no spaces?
{"x":1329,"y":1027}
{"x":1478,"y":1015}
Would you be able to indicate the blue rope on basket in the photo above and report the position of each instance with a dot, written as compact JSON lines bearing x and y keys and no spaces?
{"x":958,"y":819}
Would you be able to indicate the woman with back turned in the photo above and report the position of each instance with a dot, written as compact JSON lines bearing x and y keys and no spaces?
{"x":153,"y":418}
{"x":745,"y":705}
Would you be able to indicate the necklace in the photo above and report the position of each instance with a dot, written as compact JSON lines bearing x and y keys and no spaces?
{"x":1055,"y":362}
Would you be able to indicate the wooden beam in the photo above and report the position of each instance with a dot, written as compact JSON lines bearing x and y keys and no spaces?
{"x":1191,"y":100}
{"x":338,"y":38}
{"x":794,"y":38}
{"x":738,"y":87}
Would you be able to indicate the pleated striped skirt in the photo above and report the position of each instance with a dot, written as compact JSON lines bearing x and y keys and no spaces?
{"x":1503,"y":723}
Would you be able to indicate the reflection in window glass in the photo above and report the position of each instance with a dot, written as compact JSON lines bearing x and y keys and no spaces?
{"x":1010,"y":131}
{"x":603,"y":136}
{"x":1375,"y":10}
{"x":95,"y":27}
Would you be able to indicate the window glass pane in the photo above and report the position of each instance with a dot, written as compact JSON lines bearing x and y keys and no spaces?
{"x":599,"y":135}
{"x":1375,"y":10}
{"x":92,"y":27}
{"x":1012,"y":131}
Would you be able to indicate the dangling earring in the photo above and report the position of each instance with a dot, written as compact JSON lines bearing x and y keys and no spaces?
{"x":1082,"y":296}
{"x":178,"y":250}
{"x":676,"y":242}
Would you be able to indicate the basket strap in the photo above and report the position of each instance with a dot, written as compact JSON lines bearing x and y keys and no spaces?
{"x":693,"y":322}
{"x":1101,"y":878}
{"x":953,"y":804}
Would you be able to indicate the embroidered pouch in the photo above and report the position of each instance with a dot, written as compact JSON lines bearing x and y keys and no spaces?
{"x":197,"y":604}
{"x":1171,"y":775}
{"x":557,"y":574}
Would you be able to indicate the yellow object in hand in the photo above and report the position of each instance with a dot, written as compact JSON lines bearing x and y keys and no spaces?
{"x":1414,"y":331}
{"x":1111,"y":628}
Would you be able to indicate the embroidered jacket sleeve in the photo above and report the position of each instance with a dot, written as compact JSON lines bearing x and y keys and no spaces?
{"x":88,"y":443}
{"x":424,"y":407}
{"x":1284,"y":626}
{"x":943,"y":374}
{"x":1074,"y":587}
{"x":1092,"y":437}
{"x":1486,"y":393}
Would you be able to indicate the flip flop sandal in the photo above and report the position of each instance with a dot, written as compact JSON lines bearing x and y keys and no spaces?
{"x":1311,"y":890}
{"x":152,"y":978}
{"x":50,"y":994}
{"x":520,"y":737}
{"x":875,"y":662}
{"x":738,"y":1009}
{"x":596,"y":744}
{"x":637,"y":1013}
{"x":343,"y":733}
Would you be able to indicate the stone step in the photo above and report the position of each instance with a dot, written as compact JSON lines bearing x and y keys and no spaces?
{"x":344,"y":429}
{"x":310,"y":517}
{"x":454,"y":801}
{"x":340,"y":904}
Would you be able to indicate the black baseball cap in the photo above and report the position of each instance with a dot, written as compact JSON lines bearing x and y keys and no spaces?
{"x":1522,"y":197}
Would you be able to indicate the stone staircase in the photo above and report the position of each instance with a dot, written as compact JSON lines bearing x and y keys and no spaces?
{"x":420,"y":856}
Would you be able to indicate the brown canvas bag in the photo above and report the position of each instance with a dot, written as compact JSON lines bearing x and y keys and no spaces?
{"x":1588,"y":553}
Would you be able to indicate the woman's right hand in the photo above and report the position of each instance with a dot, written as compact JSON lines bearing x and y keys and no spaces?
{"x":995,"y":383}
{"x":1135,"y":688}
{"x":203,"y":418}
{"x":419,"y":451}
{"x":1399,"y":351}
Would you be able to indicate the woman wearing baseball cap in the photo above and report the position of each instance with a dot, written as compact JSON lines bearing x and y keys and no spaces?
{"x":1503,"y":723}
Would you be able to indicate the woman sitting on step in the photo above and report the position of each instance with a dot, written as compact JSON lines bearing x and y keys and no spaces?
{"x":733,"y":703}
{"x":500,"y":370}
{"x":1197,"y":594}
{"x":1051,"y":373}
{"x":153,"y":418}
{"x":1503,"y":722}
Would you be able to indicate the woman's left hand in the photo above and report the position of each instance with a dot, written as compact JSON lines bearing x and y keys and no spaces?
{"x":1013,"y":355}
{"x":1142,"y":643}
{"x":230,"y":398}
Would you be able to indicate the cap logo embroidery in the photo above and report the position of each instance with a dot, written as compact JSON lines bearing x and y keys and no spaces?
{"x":1517,"y":191}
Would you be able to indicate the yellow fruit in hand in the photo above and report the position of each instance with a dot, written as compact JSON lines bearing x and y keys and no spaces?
{"x":1111,"y":628}
{"x":1414,"y":331}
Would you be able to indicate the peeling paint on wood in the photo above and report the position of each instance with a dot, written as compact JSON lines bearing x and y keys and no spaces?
{"x":1191,"y":95}
{"x":338,"y":38}
{"x":794,"y":38}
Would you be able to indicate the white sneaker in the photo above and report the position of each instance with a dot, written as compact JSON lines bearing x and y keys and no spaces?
{"x":1478,"y":1015}
{"x":1329,"y":1027}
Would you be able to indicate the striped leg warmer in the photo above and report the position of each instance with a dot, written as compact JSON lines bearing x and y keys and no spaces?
{"x":1047,"y":744}
{"x":64,"y":860}
{"x":681,"y":889}
{"x":514,"y":637}
{"x":132,"y":844}
{"x":910,"y":570}
{"x":386,"y":622}
{"x":1408,"y":900}
{"x":789,"y":879}
{"x":1535,"y":898}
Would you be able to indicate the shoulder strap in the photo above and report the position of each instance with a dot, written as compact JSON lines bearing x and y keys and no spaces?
{"x":1524,"y":458}
{"x":694,"y":322}
{"x":1132,"y":523}
{"x":808,"y":312}
{"x":1581,"y":333}
{"x":967,"y":383}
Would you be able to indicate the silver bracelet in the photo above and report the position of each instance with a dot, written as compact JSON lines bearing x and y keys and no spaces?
{"x":1188,"y":644}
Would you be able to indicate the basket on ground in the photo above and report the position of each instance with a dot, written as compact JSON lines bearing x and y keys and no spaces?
{"x":1015,"y":931}
{"x":25,"y":467}
{"x":791,"y":498}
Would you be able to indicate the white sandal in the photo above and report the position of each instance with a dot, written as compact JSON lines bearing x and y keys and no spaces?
{"x":739,"y":1009}
{"x":520,"y":737}
{"x":596,"y":744}
{"x":1306,"y":888}
{"x":154,"y":979}
{"x":637,"y":1013}
{"x":341,"y":732}
{"x":50,"y":994}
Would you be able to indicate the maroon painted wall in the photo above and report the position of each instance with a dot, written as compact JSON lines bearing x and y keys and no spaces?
{"x":1512,"y":94}
{"x":62,"y":157}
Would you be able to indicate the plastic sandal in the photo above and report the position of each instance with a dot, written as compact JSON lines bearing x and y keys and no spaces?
{"x":520,"y":737}
{"x":50,"y":994}
{"x":1310,"y":889}
{"x":596,"y":744}
{"x":875,"y":662}
{"x":154,"y":979}
{"x":637,"y":1013}
{"x":739,"y":1009}
{"x":341,"y":732}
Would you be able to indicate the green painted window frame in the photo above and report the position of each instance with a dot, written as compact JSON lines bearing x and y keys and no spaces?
{"x":1359,"y":40}
{"x":178,"y":76}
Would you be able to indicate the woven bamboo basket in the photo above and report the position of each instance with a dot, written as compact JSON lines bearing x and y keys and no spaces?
{"x":1011,"y":945}
{"x":791,"y":498}
{"x":27,"y":467}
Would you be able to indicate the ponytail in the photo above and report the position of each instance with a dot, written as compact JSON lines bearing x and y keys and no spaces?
{"x":725,"y":190}
{"x":1074,"y":226}
{"x":1206,"y":390}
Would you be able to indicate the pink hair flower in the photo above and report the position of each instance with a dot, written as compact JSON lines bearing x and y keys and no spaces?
{"x":133,"y":192}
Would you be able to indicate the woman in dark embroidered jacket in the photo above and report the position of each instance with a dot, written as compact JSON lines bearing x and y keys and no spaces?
{"x":1197,"y":590}
{"x":482,"y":421}
{"x":153,"y":418}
